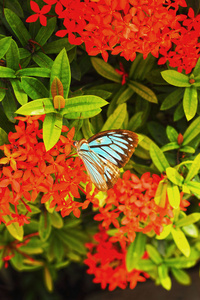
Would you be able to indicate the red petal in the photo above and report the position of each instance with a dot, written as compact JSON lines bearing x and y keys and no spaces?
{"x":35,"y":6}
{"x":32,"y":18}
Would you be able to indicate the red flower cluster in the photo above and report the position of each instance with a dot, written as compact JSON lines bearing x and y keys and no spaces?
{"x":28,"y":171}
{"x":127,"y":27}
{"x":107,"y":262}
{"x":132,"y":201}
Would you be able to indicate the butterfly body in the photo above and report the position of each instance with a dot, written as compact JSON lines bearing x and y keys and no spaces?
{"x":104,"y":153}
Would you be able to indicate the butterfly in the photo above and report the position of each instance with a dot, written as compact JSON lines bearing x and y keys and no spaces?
{"x":104,"y":153}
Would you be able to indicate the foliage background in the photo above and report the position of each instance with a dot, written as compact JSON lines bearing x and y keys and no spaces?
{"x":156,"y":101}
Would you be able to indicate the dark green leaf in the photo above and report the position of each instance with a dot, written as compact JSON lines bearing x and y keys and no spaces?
{"x":20,"y":95}
{"x":44,"y":226}
{"x":34,"y":88}
{"x":105,"y":70}
{"x":42,"y":60}
{"x":125,"y":96}
{"x":143,"y":91}
{"x":135,"y":121}
{"x":45,"y":32}
{"x":12,"y":56}
{"x":172,"y":99}
{"x":4,"y":45}
{"x":17,"y":26}
{"x":9,"y":106}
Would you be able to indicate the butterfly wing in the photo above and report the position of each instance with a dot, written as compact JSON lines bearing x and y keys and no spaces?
{"x":102,"y":173}
{"x":115,"y":146}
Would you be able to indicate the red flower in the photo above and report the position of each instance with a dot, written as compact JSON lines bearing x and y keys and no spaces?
{"x":130,"y":208}
{"x":39,"y":13}
{"x":106,"y":261}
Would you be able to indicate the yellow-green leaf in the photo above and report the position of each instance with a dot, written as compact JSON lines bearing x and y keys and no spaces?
{"x":181,"y":241}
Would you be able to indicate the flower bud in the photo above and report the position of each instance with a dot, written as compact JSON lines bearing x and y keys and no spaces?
{"x":58,"y":102}
{"x":180,"y":139}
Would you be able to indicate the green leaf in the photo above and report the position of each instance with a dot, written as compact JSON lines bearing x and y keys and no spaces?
{"x":190,"y":219}
{"x":44,"y":226}
{"x":20,"y":95}
{"x":4,"y":46}
{"x":56,"y":220}
{"x":57,"y":46}
{"x":191,"y":231}
{"x":180,"y":262}
{"x":135,"y":121}
{"x":9,"y":106}
{"x":165,"y":280}
{"x":17,"y":26}
{"x":2,"y":90}
{"x":14,"y":229}
{"x":187,"y":149}
{"x":117,"y":118}
{"x":172,"y":134}
{"x":52,"y":127}
{"x":83,"y":115}
{"x":17,"y":261}
{"x":143,"y":91}
{"x":176,"y":78}
{"x":174,"y":176}
{"x":42,"y":60}
{"x":3,"y":137}
{"x":48,"y":279}
{"x":154,"y":254}
{"x":181,"y":241}
{"x":158,"y":158}
{"x":38,"y":72}
{"x":158,"y":132}
{"x":181,"y":276}
{"x":125,"y":96}
{"x":15,"y":7}
{"x":105,"y":70}
{"x":192,"y":131}
{"x":172,"y":99}
{"x":12,"y":56}
{"x":173,"y":195}
{"x":97,"y":122}
{"x":37,"y":107}
{"x":61,"y":69}
{"x":34,"y":88}
{"x":170,"y":146}
{"x":82,"y":104}
{"x":161,"y":192}
{"x":166,"y":231}
{"x":179,"y":112}
{"x":45,"y":32}
{"x":194,"y":168}
{"x":190,"y":101}
{"x":7,"y":72}
{"x":86,"y":129}
{"x":143,"y":147}
{"x":135,"y":251}
{"x":194,"y":187}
